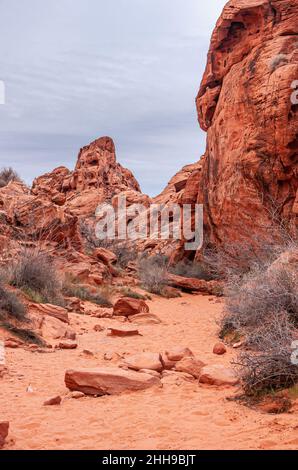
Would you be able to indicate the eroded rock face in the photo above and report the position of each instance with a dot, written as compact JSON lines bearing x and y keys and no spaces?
{"x":244,"y":104}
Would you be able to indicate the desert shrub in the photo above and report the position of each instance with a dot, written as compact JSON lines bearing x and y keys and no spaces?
{"x":7,"y":175}
{"x":34,"y":272}
{"x":125,"y":254}
{"x":153,"y":274}
{"x":262,"y":308}
{"x":28,"y":336}
{"x":261,"y":294}
{"x":127,"y":292}
{"x":102,"y":297}
{"x":267,"y":366}
{"x":234,"y":260}
{"x":10,"y":305}
{"x":277,"y":61}
{"x":193,"y":269}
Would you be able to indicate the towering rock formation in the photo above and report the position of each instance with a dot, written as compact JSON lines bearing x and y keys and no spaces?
{"x":244,"y":104}
{"x":97,"y":178}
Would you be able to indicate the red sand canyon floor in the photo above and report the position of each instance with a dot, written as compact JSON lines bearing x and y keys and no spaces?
{"x":180,"y":415}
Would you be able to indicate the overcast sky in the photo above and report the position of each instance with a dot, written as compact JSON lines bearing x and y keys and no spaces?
{"x":76,"y":70}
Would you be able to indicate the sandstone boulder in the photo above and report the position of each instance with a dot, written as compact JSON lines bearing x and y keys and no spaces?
{"x":108,"y":381}
{"x":50,"y":310}
{"x":52,"y":328}
{"x":190,"y":365}
{"x":194,"y":285}
{"x":150,"y":361}
{"x":218,"y":374}
{"x":127,"y":306}
{"x":105,"y":256}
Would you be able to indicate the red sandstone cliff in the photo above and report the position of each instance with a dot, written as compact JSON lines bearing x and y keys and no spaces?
{"x":244,"y":104}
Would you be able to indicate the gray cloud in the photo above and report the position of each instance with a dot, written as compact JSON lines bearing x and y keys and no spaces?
{"x":78,"y":69}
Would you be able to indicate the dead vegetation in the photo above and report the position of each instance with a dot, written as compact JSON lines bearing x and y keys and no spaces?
{"x":34,"y":273}
{"x":262,"y":307}
{"x":193,"y":269}
{"x":10,"y":305}
{"x":152,"y":273}
{"x":103,"y":296}
{"x":7,"y":175}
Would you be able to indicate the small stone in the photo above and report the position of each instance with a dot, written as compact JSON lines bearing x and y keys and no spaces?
{"x":67,"y":345}
{"x":53,"y":401}
{"x":88,"y":353}
{"x":190,"y":365}
{"x":98,"y":328}
{"x":76,"y":395}
{"x":140,"y":361}
{"x":123,"y":332}
{"x":219,"y":349}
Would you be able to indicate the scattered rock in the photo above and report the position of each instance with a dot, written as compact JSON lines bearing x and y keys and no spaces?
{"x":171,"y":357}
{"x":178,"y":353}
{"x":190,"y":365}
{"x":145,"y":319}
{"x":112,"y":356}
{"x":127,"y":306}
{"x":107,"y":381}
{"x":104,"y":255}
{"x":4,"y":428}
{"x":123,"y":332}
{"x":52,"y":328}
{"x":218,"y":374}
{"x":53,"y":401}
{"x":219,"y":349}
{"x":50,"y":310}
{"x":140,"y":361}
{"x":174,"y":373}
{"x":68,"y":345}
{"x":194,"y":285}
{"x":86,"y":352}
{"x":98,"y":328}
{"x":76,"y":395}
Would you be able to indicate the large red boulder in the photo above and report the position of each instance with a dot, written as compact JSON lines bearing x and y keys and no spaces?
{"x":127,"y":306}
{"x":108,"y":381}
